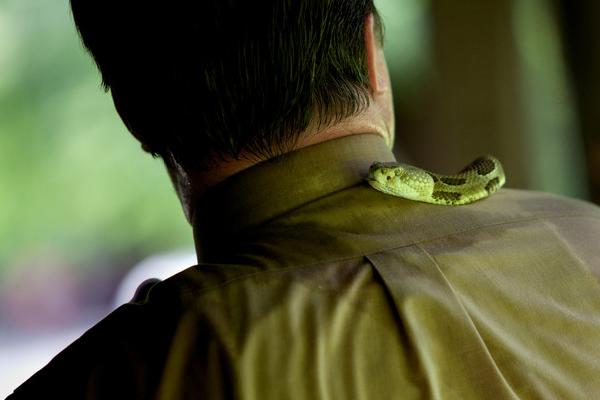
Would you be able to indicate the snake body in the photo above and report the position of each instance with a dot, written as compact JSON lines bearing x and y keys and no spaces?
{"x":478,"y":180}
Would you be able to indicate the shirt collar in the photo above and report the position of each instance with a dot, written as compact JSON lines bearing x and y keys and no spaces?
{"x":279,"y":185}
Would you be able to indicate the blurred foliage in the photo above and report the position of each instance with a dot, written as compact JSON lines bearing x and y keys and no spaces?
{"x":72,"y":179}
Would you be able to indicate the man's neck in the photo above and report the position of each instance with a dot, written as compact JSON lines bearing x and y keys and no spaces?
{"x":361,"y":124}
{"x":193,"y":186}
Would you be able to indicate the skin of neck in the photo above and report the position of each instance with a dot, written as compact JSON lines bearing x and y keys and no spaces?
{"x":377,"y":119}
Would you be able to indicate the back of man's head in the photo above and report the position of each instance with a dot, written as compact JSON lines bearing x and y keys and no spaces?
{"x":194,"y":80}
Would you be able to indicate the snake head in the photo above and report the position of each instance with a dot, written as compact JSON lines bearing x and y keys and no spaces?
{"x":401,"y":180}
{"x":385,"y":173}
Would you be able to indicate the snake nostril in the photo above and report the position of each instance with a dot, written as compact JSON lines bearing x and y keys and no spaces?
{"x":389,"y":178}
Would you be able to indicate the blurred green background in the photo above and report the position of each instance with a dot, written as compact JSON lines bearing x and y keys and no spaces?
{"x":77,"y":195}
{"x":74,"y":185}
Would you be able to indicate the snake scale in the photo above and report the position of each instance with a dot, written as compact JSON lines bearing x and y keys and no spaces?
{"x":478,"y":180}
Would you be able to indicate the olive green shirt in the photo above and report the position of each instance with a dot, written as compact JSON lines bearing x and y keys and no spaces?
{"x":313,"y":285}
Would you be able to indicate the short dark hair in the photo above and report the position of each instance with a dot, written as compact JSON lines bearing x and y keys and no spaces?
{"x":194,"y":80}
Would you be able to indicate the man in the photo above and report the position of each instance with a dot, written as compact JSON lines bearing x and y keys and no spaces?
{"x":310,"y":283}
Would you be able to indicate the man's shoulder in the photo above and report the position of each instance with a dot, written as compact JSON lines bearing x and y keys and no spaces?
{"x":520,"y":206}
{"x":508,"y":206}
{"x":536,"y":201}
{"x":378,"y":221}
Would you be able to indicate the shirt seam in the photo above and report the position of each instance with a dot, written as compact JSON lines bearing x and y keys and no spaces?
{"x":460,"y":303}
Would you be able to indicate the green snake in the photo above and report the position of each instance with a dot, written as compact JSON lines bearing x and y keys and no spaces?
{"x":478,"y":180}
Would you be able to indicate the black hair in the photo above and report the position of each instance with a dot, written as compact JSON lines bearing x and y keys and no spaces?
{"x":194,"y":80}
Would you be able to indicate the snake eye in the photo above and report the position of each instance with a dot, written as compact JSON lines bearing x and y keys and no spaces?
{"x":389,"y":178}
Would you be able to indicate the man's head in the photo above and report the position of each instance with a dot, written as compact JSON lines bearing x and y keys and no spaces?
{"x":198,"y":81}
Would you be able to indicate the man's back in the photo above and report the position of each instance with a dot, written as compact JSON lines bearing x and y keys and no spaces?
{"x":323,"y":288}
